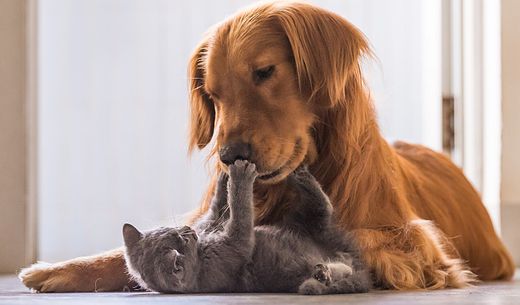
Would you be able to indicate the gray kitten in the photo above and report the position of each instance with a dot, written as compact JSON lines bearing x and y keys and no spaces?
{"x":305,"y":253}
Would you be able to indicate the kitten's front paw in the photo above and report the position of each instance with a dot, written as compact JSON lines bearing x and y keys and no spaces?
{"x":303,"y":177}
{"x":302,"y":171}
{"x":243,"y":171}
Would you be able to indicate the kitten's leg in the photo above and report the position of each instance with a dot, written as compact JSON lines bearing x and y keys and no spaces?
{"x":358,"y":282}
{"x":239,"y":229}
{"x":218,"y":210}
{"x":334,"y":278}
{"x":230,"y":249}
{"x":312,"y":286}
{"x":314,"y":210}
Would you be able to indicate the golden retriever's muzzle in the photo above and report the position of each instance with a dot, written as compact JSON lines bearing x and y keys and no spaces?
{"x":238,"y":150}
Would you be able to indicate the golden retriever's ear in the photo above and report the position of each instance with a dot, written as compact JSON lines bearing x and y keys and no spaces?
{"x":202,"y":120}
{"x":326,"y":50}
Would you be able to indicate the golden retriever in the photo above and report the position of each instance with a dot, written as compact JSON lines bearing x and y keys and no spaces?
{"x":280,"y":84}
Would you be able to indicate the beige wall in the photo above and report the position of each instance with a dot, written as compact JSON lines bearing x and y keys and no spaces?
{"x":510,"y":184}
{"x":511,"y":101}
{"x":13,"y":135}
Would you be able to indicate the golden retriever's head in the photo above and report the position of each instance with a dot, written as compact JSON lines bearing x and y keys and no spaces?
{"x":261,"y":79}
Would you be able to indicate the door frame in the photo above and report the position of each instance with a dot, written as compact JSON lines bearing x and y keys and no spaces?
{"x":18,"y":134}
{"x":471,"y":79}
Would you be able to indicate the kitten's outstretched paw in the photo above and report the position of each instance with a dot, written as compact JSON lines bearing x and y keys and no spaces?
{"x":322,"y":274}
{"x":243,"y":170}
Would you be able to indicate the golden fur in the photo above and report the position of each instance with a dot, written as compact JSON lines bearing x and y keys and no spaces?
{"x":419,"y":222}
{"x":381,"y":193}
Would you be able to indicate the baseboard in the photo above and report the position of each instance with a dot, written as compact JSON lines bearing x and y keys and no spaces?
{"x":510,"y":224}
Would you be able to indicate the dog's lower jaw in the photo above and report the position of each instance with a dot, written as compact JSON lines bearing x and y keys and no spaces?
{"x":299,"y":156}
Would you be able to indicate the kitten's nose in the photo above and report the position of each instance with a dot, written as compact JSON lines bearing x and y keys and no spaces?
{"x":235,"y":151}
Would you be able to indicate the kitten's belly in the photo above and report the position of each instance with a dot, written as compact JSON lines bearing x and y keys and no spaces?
{"x":281,"y":260}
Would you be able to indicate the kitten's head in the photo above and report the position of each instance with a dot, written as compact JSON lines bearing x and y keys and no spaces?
{"x":164,"y":259}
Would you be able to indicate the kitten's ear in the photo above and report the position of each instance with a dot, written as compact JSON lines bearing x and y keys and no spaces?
{"x":131,"y":235}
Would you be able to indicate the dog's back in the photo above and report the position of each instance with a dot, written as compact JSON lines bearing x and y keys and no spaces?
{"x":431,"y":177}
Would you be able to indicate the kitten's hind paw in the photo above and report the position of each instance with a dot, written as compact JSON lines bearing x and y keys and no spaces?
{"x":312,"y":287}
{"x":322,"y":274}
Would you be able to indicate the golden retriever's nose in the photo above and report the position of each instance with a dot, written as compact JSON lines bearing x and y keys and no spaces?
{"x":234,"y":151}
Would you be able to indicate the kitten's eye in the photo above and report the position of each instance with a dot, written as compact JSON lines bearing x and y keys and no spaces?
{"x":263,"y":74}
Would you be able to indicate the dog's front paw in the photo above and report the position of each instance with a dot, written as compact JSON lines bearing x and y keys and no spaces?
{"x":243,"y":171}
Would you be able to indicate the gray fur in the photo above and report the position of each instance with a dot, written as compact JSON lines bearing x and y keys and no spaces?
{"x":305,"y":253}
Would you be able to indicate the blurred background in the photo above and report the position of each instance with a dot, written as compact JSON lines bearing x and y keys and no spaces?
{"x":94,"y":109}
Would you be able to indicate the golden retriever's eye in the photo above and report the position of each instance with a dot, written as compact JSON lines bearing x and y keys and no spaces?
{"x":263,"y":74}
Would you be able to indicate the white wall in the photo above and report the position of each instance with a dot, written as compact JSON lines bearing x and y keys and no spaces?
{"x":113,"y":107}
{"x":401,"y":81}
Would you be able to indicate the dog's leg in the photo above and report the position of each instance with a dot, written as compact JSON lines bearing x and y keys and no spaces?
{"x":412,"y":257}
{"x":102,"y":272}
